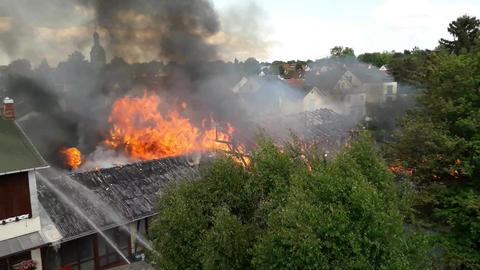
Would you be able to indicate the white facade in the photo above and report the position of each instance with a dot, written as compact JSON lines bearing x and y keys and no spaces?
{"x":315,"y":100}
{"x":28,"y":225}
{"x":390,"y":91}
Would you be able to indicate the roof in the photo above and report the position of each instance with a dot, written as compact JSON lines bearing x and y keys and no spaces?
{"x":16,"y":152}
{"x":110,"y":197}
{"x":319,"y":92}
{"x":21,"y":243}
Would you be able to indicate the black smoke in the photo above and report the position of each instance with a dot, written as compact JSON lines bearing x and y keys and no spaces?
{"x":174,"y":31}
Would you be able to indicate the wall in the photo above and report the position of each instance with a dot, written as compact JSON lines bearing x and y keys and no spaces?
{"x":37,"y":256}
{"x":26,"y":226}
{"x":394,"y":90}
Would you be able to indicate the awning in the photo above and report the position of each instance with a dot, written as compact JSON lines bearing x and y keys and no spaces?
{"x":21,"y":243}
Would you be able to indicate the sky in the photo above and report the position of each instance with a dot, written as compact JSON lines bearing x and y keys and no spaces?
{"x":265,"y":29}
{"x":307,"y":29}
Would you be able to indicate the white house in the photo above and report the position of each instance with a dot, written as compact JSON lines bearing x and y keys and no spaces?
{"x":21,"y":235}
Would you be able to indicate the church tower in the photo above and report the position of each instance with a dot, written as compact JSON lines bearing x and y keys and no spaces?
{"x":97,"y":55}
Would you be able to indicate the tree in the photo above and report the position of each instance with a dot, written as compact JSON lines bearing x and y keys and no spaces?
{"x":440,"y":143}
{"x":251,"y":66}
{"x":377,"y":59}
{"x":465,"y":31}
{"x":19,"y":67}
{"x":339,"y":51}
{"x":289,"y":209}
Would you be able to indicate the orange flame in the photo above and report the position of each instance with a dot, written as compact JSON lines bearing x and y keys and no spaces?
{"x":143,"y":132}
{"x":398,"y":169}
{"x":73,"y":157}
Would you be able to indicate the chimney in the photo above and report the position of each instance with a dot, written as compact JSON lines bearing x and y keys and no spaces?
{"x":8,"y":109}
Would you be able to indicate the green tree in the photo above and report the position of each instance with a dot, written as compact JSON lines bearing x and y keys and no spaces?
{"x":377,"y":59}
{"x":465,"y":31}
{"x":339,"y":51}
{"x":289,"y":209}
{"x":440,"y":142}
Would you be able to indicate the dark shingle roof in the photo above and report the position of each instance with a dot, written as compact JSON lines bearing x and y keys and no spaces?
{"x":16,"y":151}
{"x":129,"y":192}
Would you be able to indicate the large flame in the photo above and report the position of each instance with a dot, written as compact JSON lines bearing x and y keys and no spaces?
{"x":141,"y":130}
{"x":73,"y":157}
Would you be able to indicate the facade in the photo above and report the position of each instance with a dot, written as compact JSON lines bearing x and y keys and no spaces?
{"x":346,"y":89}
{"x":21,"y":235}
{"x":120,"y":201}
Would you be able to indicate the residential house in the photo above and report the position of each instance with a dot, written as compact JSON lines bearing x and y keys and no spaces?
{"x":21,"y":234}
{"x":337,"y":89}
{"x":347,"y":88}
{"x":84,"y":221}
{"x":120,"y":201}
{"x":263,"y":95}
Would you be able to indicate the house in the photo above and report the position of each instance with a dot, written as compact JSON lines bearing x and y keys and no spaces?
{"x":346,"y":88}
{"x":86,"y":221}
{"x":21,"y":234}
{"x":338,"y":89}
{"x":260,"y":95}
{"x":120,"y":201}
{"x":316,"y":99}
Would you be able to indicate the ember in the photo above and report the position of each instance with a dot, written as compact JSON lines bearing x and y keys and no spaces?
{"x":73,"y":157}
{"x":145,"y":133}
{"x":398,"y":169}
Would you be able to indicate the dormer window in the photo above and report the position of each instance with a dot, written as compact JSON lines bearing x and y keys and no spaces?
{"x":14,"y":198}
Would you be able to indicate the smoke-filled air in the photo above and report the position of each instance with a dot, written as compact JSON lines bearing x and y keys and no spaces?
{"x":153,"y":83}
{"x":258,"y":135}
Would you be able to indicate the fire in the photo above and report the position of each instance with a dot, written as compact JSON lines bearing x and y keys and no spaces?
{"x":73,"y":157}
{"x":398,"y":169}
{"x":146,"y":128}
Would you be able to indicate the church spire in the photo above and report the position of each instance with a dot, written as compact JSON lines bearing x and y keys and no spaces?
{"x":97,"y":55}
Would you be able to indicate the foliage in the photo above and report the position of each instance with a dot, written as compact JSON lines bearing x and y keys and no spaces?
{"x":377,"y":59}
{"x":440,"y":141}
{"x":466,"y":32}
{"x":339,"y":51}
{"x":290,"y":209}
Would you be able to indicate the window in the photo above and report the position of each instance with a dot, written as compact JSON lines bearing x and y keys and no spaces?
{"x":389,"y":89}
{"x":78,"y":254}
{"x":9,"y":263}
{"x":3,"y":264}
{"x":14,"y":196}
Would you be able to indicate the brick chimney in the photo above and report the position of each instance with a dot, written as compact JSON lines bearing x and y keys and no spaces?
{"x":8,"y":109}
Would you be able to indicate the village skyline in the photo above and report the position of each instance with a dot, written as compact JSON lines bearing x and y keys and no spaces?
{"x":266,"y":30}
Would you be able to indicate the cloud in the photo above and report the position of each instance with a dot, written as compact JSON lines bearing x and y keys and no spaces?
{"x":5,"y":24}
{"x":243,"y":35}
{"x":421,"y":22}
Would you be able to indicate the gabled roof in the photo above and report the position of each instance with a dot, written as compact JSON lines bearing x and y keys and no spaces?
{"x":246,"y":85}
{"x":16,"y":152}
{"x":325,"y":80}
{"x":128,"y":191}
{"x":319,"y":92}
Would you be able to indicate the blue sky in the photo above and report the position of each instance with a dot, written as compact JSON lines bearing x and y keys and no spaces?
{"x":307,"y":29}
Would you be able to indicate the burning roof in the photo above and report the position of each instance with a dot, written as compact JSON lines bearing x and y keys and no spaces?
{"x":130,"y":191}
